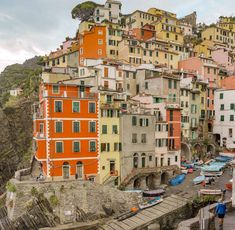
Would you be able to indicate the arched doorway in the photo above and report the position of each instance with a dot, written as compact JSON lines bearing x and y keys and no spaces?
{"x":135,"y":160}
{"x":197,"y":151}
{"x":79,"y":170}
{"x":185,"y":152}
{"x":143,"y":160}
{"x":66,"y":170}
{"x":136,"y":184}
{"x":211,"y":148}
{"x":164,"y":178}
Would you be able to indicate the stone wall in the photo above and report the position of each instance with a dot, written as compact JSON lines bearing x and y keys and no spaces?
{"x":64,"y":202}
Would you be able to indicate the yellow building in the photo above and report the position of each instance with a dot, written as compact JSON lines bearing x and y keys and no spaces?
{"x":204,"y":48}
{"x":150,"y":52}
{"x":109,"y":136}
{"x":219,"y":35}
{"x":227,"y":23}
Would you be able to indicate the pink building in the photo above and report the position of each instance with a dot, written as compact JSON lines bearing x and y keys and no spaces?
{"x":208,"y":70}
{"x":224,"y":58}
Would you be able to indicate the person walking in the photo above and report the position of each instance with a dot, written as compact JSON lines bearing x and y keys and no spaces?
{"x":220,"y":211}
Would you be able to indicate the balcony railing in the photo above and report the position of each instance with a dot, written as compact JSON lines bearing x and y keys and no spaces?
{"x":70,"y":94}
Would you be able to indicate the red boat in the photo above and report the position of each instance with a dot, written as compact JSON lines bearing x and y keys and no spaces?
{"x":229,"y":186}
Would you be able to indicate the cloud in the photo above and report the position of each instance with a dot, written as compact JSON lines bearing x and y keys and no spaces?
{"x":39,"y":26}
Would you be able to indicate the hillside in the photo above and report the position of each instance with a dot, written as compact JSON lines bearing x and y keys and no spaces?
{"x":16,"y":116}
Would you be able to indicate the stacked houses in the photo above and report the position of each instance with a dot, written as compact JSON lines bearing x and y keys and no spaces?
{"x":125,"y":93}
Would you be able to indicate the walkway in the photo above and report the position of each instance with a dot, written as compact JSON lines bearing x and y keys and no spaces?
{"x":146,"y":217}
{"x":229,"y":221}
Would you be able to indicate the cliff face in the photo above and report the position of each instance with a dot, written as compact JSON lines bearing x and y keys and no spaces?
{"x":16,"y":117}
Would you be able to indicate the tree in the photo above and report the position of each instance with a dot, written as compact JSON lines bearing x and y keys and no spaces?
{"x":84,"y":10}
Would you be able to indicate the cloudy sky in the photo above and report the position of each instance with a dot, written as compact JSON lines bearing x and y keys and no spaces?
{"x":35,"y":27}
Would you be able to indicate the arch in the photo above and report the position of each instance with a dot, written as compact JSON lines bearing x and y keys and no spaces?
{"x":197,"y":150}
{"x":79,"y":170}
{"x":210,"y":127}
{"x":211,"y":148}
{"x":135,"y":160}
{"x":164,"y":178}
{"x":66,"y":170}
{"x":137,"y":183}
{"x":143,"y":160}
{"x":185,"y":151}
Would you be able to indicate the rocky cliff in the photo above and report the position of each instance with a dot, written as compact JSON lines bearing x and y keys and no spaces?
{"x":16,"y":116}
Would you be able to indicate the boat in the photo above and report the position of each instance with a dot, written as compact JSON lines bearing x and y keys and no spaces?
{"x":187,"y":165}
{"x":211,"y":174}
{"x":190,"y":170}
{"x":177,"y":180}
{"x":154,"y":193}
{"x":216,"y":192}
{"x":150,"y":203}
{"x":199,"y":179}
{"x":229,"y":186}
{"x":223,"y":158}
{"x":184,"y":171}
{"x":126,"y":215}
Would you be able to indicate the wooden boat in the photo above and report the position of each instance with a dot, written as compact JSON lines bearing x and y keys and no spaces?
{"x":154,"y":193}
{"x":199,"y":179}
{"x":150,"y":203}
{"x":126,"y":215}
{"x":177,"y":180}
{"x":216,"y":192}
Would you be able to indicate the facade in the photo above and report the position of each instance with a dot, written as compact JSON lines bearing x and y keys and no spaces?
{"x":224,"y":127}
{"x":110,"y":11}
{"x":138,"y":142}
{"x":66,"y":131}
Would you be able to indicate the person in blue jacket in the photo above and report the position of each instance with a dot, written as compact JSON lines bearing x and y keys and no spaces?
{"x":220,"y":211}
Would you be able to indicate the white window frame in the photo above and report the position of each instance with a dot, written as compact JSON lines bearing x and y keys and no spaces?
{"x":62,"y":126}
{"x":100,"y":32}
{"x":61,"y":106}
{"x":79,"y":126}
{"x":100,"y":41}
{"x":90,"y":126}
{"x":90,"y":146}
{"x":62,"y":146}
{"x":79,"y":146}
{"x":79,"y":106}
{"x":54,"y":91}
{"x":100,"y":52}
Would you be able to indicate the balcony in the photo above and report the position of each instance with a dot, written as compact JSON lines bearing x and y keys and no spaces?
{"x":70,"y":94}
{"x":111,"y":105}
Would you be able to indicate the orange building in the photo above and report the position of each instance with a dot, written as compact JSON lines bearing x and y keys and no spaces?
{"x":92,"y":44}
{"x":145,"y":33}
{"x":66,"y":131}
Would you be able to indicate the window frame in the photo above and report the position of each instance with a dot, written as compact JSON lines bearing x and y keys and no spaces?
{"x":56,"y":146}
{"x":73,"y":106}
{"x":61,"y":106}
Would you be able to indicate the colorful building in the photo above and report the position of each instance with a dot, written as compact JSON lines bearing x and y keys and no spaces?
{"x":66,"y":131}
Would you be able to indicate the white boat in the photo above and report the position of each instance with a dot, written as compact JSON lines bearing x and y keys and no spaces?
{"x":210,"y":192}
{"x":184,"y":171}
{"x":199,"y":179}
{"x":150,"y":203}
{"x":211,"y":174}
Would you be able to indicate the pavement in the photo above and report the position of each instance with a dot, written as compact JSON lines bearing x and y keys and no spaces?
{"x":229,"y":221}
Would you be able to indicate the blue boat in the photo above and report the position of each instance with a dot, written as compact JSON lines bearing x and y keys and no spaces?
{"x":199,"y":179}
{"x":223,"y":158}
{"x":177,"y":180}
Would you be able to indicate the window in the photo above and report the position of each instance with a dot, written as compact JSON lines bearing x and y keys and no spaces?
{"x":55,"y":89}
{"x":169,"y":161}
{"x":169,"y":84}
{"x":144,"y":122}
{"x":134,"y":121}
{"x":58,"y":127}
{"x":91,"y":107}
{"x":41,"y":128}
{"x":222,"y":107}
{"x":92,"y":146}
{"x":76,"y":146}
{"x":104,"y":129}
{"x":58,"y":106}
{"x":221,"y":96}
{"x":150,"y":158}
{"x":59,"y":147}
{"x":134,"y":137}
{"x":175,"y":84}
{"x":99,"y":51}
{"x":92,"y":126}
{"x":106,"y":72}
{"x":222,"y":118}
{"x":143,"y":138}
{"x":232,"y":106}
{"x":76,"y":126}
{"x":76,"y":106}
{"x":109,"y":99}
{"x":115,"y":129}
{"x":146,"y":85}
{"x":176,"y":158}
{"x":117,"y":147}
{"x":100,"y":41}
{"x":105,"y":147}
{"x":230,"y":132}
{"x":171,"y":115}
{"x":231,"y":117}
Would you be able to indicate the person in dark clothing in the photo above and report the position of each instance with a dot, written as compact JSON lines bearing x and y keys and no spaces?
{"x":220,"y":211}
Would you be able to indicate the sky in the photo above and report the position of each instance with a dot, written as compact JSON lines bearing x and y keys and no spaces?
{"x":36,"y":27}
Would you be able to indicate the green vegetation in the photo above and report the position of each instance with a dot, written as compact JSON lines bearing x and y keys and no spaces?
{"x":203,"y":201}
{"x":10,"y":187}
{"x":54,"y":200}
{"x":84,"y":10}
{"x":34,"y":192}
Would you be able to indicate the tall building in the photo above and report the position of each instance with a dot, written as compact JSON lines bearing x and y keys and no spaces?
{"x":66,"y":131}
